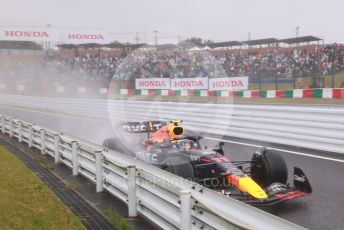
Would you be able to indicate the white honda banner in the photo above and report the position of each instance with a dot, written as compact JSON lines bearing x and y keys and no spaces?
{"x":152,"y":83}
{"x":79,"y":36}
{"x":36,"y":34}
{"x":189,"y":83}
{"x":228,"y":83}
{"x":63,"y":35}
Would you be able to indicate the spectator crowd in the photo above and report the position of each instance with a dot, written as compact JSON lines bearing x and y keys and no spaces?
{"x":94,"y":69}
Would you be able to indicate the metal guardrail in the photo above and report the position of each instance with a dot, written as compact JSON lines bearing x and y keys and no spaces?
{"x":314,"y":128}
{"x":167,"y":200}
{"x":320,"y":128}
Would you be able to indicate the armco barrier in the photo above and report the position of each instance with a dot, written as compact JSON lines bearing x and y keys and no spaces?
{"x":320,"y":128}
{"x":314,"y":128}
{"x":167,"y":200}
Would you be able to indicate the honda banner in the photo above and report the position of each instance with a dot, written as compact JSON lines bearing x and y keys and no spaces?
{"x":152,"y":83}
{"x":189,"y":83}
{"x":79,"y":36}
{"x":64,"y":35}
{"x":36,"y":34}
{"x":228,"y":83}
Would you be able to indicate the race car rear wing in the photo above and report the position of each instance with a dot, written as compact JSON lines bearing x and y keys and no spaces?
{"x":141,"y":127}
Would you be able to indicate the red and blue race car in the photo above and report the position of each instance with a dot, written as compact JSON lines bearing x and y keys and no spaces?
{"x":261,"y":181}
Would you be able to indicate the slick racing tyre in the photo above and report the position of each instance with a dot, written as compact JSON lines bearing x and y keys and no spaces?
{"x":180,"y":166}
{"x":268,"y":167}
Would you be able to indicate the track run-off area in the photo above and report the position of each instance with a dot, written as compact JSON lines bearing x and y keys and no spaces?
{"x":321,"y":210}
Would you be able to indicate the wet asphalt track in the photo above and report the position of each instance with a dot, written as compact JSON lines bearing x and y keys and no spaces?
{"x":322,"y":210}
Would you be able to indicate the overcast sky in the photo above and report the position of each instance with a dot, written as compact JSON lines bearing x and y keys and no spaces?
{"x":218,"y":20}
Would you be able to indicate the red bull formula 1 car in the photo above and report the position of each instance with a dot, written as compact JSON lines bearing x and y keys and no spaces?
{"x":260,"y":181}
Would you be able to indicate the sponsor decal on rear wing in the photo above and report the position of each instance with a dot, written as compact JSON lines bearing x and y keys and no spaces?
{"x":141,"y":127}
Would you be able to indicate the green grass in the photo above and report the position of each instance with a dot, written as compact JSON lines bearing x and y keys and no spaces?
{"x":117,"y":220}
{"x":26,"y":202}
{"x":44,"y":162}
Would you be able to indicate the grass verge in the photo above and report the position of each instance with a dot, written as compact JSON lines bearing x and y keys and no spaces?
{"x":117,"y":220}
{"x":26,"y":202}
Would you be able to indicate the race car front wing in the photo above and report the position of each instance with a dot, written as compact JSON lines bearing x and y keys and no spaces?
{"x":277,"y":192}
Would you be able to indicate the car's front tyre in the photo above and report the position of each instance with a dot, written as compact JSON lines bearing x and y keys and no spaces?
{"x":179,"y":165}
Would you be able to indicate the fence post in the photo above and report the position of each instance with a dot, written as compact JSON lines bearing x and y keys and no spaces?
{"x":3,"y":120}
{"x":11,"y":127}
{"x":132,"y":200}
{"x":99,"y":171}
{"x":185,"y":210}
{"x":42,"y":132}
{"x":75,"y":157}
{"x":19,"y":131}
{"x":29,"y":129}
{"x":57,"y":148}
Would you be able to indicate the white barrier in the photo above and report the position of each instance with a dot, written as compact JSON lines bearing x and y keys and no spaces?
{"x":320,"y":128}
{"x":167,"y":200}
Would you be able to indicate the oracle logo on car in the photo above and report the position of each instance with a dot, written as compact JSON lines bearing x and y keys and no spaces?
{"x":85,"y":36}
{"x":35,"y":34}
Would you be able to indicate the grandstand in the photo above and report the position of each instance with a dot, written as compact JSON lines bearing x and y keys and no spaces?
{"x":262,"y":60}
{"x":269,"y":63}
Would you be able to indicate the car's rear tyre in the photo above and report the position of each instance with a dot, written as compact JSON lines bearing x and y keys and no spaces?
{"x":268,"y":167}
{"x":180,"y":166}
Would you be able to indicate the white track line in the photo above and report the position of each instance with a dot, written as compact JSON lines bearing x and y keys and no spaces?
{"x":282,"y":150}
